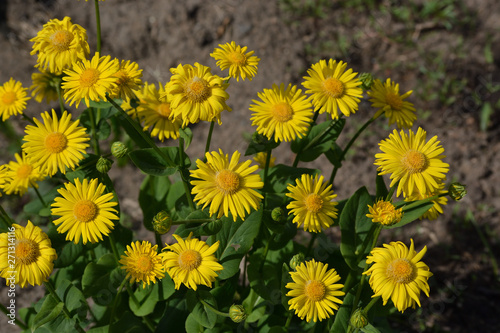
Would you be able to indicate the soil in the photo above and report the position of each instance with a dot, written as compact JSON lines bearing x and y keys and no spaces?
{"x":452,"y":64}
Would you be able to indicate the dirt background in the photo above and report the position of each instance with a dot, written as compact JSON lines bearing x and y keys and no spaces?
{"x":449,"y":57}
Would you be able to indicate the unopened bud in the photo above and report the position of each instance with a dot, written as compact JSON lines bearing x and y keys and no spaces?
{"x":366,"y":81}
{"x":162,"y":222}
{"x":103,"y":165}
{"x":297,"y":260}
{"x":118,"y":149}
{"x":278,"y":214}
{"x":457,"y":191}
{"x":237,"y":313}
{"x":358,"y":319}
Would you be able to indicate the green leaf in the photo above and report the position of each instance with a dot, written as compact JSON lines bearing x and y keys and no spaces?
{"x":87,"y":169}
{"x":369,"y":329}
{"x":343,"y":315}
{"x":152,"y":196}
{"x":187,"y":135}
{"x":61,"y":324}
{"x":261,"y":144}
{"x":51,"y":308}
{"x":35,"y":205}
{"x":323,"y":135}
{"x":412,"y":213}
{"x":72,"y":297}
{"x":334,"y":155}
{"x":174,"y":319}
{"x":147,"y":299}
{"x":68,"y":255}
{"x":98,"y":276}
{"x":280,"y":176}
{"x":355,"y":226}
{"x":381,"y":191}
{"x":101,"y":329}
{"x":166,"y":288}
{"x":128,"y":323}
{"x":193,"y":326}
{"x":132,"y":133}
{"x":200,"y":312}
{"x":485,"y":115}
{"x":150,"y":162}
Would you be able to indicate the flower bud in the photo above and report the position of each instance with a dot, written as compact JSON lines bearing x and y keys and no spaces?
{"x":457,"y":191}
{"x":358,"y":319}
{"x":297,"y":260}
{"x":237,"y":313}
{"x":103,"y":165}
{"x":278,"y":214}
{"x":366,"y":81}
{"x":162,"y":222}
{"x":118,"y":149}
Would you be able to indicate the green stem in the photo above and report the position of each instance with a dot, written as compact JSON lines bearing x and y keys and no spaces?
{"x":6,"y":217}
{"x":266,"y":172}
{"x":266,"y":251}
{"x":115,"y":301}
{"x":314,"y":140}
{"x":158,"y":242}
{"x":98,"y":26}
{"x":184,"y":175}
{"x":31,"y":121}
{"x":311,"y":242}
{"x":424,"y":201}
{"x":93,"y":124}
{"x":39,"y":195}
{"x":147,"y":321}
{"x":391,"y":192}
{"x":209,"y":138}
{"x":18,"y":322}
{"x":214,"y":310}
{"x":112,"y":242}
{"x":59,"y":95}
{"x":52,"y":291}
{"x":372,"y":303}
{"x":288,"y":321}
{"x":178,"y":222}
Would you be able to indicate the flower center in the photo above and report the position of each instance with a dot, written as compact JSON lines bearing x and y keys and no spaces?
{"x":237,"y":58}
{"x":189,"y":260}
{"x":61,"y":40}
{"x":394,"y":100}
{"x":27,"y":251}
{"x":387,"y":213}
{"x":164,"y":110}
{"x":313,"y":203}
{"x":197,"y":90}
{"x":315,"y":290}
{"x":123,"y":78}
{"x":282,"y":112}
{"x":55,"y":142}
{"x":414,"y":161}
{"x":9,"y":97}
{"x":24,"y":171}
{"x":227,"y":181}
{"x":89,"y":77}
{"x":401,"y":270}
{"x":333,"y":87}
{"x":85,"y":211}
{"x":144,"y":264}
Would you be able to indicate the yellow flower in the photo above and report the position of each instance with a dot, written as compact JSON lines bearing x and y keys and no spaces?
{"x":196,"y":94}
{"x":312,"y":203}
{"x":260,"y":159}
{"x":21,"y":175}
{"x":191,"y":262}
{"x":228,"y":186}
{"x":142,"y":263}
{"x":385,"y":213}
{"x":435,"y":210}
{"x":237,"y":59}
{"x":90,"y":80}
{"x":386,"y":97}
{"x":56,"y":143}
{"x":129,"y":79}
{"x":283,"y":113}
{"x":4,"y":180}
{"x":156,"y":112}
{"x":12,"y":99}
{"x":60,"y":44}
{"x":44,"y":86}
{"x":397,"y":273}
{"x":333,"y":88}
{"x":85,"y":211}
{"x":33,"y":256}
{"x":416,"y":164}
{"x":314,"y":291}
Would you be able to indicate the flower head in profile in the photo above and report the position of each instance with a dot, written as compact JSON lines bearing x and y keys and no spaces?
{"x":33,"y":255}
{"x":226,"y":185}
{"x":20,"y":175}
{"x":197,"y":94}
{"x":283,"y":113}
{"x":332,"y":88}
{"x":315,"y":291}
{"x":86,"y":213}
{"x":385,"y":213}
{"x":435,"y":210}
{"x":240,"y":62}
{"x":398,"y":274}
{"x":45,"y":86}
{"x":129,"y":79}
{"x":12,"y":99}
{"x":261,"y":157}
{"x":55,"y":144}
{"x":142,"y":263}
{"x":386,"y":98}
{"x":155,"y":111}
{"x":60,"y":44}
{"x":412,"y":161}
{"x":191,"y":262}
{"x":312,"y":203}
{"x":90,"y":80}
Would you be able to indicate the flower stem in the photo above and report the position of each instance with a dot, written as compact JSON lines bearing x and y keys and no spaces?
{"x":266,"y":251}
{"x":52,"y":291}
{"x":424,"y":201}
{"x":59,"y":95}
{"x":178,"y":222}
{"x":98,"y":26}
{"x":112,"y":242}
{"x":311,"y":242}
{"x":31,"y":121}
{"x":18,"y":322}
{"x":288,"y":320}
{"x":214,"y":310}
{"x":209,"y":138}
{"x":5,"y":217}
{"x":372,"y":303}
{"x":158,"y":242}
{"x":93,"y":124}
{"x":38,"y":195}
{"x":115,"y":301}
{"x":391,"y":192}
{"x":266,"y":172}
{"x":184,"y":175}
{"x":147,"y":321}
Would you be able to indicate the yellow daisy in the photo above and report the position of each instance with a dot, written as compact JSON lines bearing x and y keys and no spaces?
{"x":385,"y":213}
{"x":191,"y":262}
{"x":142,"y":263}
{"x":56,"y":143}
{"x":260,"y":159}
{"x":315,"y":292}
{"x":85,"y":211}
{"x":129,"y":79}
{"x":237,"y":59}
{"x":416,"y":164}
{"x":397,"y":273}
{"x":156,"y":112}
{"x":12,"y":99}
{"x":90,"y":80}
{"x":21,"y":175}
{"x":228,"y":186}
{"x":60,"y":44}
{"x":283,"y":113}
{"x":386,"y":97}
{"x":45,"y":86}
{"x":435,"y":210}
{"x":196,"y":94}
{"x":4,"y":180}
{"x":33,"y":255}
{"x":333,"y":88}
{"x":312,"y":203}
